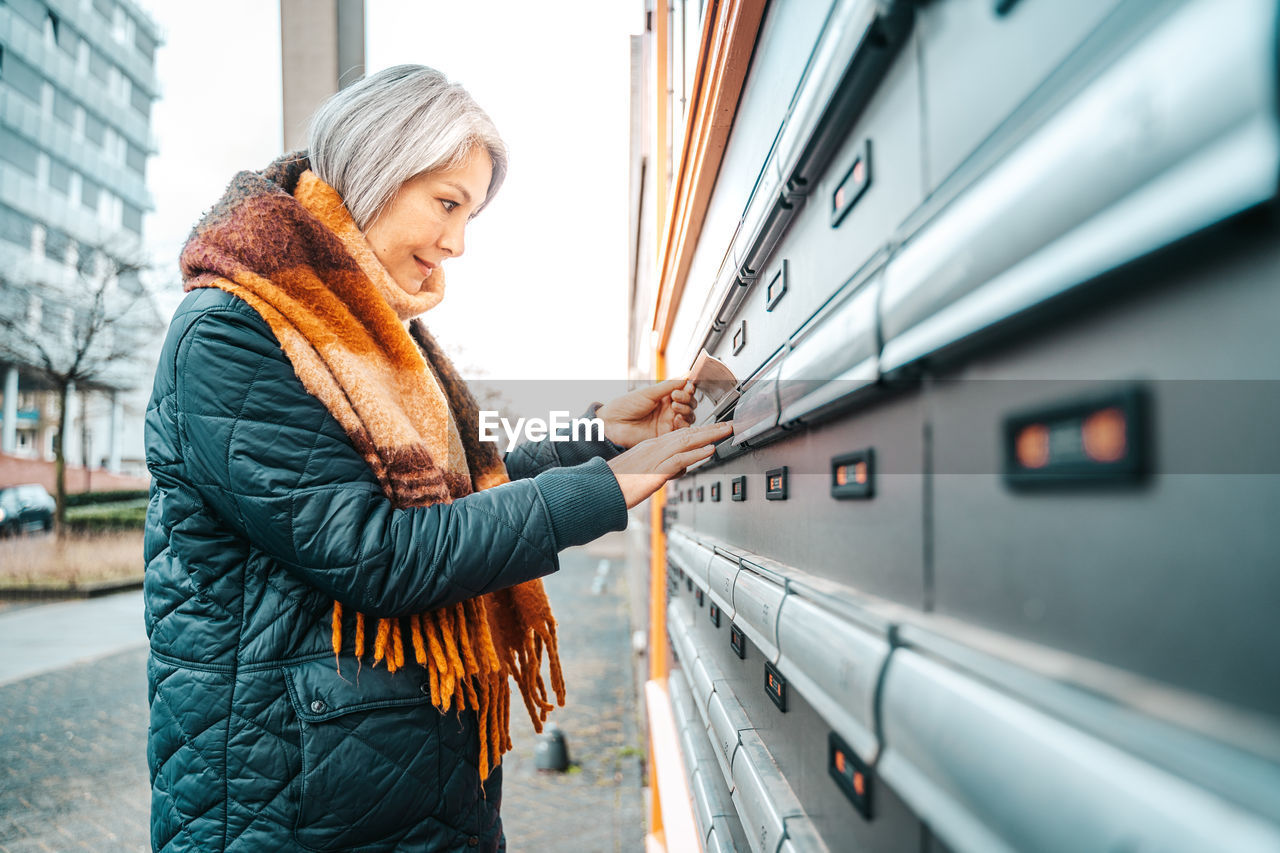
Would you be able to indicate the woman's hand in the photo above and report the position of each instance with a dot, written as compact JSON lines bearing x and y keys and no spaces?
{"x":648,"y":412}
{"x":643,"y":469}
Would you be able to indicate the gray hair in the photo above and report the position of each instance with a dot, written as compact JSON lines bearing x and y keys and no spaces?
{"x":370,"y":138}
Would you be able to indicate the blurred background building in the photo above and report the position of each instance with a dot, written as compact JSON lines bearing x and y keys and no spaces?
{"x":77,"y":85}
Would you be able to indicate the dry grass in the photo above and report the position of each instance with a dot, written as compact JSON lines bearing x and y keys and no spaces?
{"x":45,"y":562}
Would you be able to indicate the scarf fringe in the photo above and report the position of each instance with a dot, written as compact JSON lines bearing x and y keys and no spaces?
{"x":464,"y":674}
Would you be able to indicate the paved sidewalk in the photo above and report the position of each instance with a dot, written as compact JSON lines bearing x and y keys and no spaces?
{"x":73,"y":719}
{"x":46,"y":637}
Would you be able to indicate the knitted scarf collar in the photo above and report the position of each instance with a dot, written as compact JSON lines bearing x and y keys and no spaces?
{"x":282,"y":241}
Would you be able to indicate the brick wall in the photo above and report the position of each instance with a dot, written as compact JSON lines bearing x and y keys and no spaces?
{"x":16,"y":469}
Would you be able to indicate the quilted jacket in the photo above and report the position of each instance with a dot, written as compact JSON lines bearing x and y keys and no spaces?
{"x":261,"y":514}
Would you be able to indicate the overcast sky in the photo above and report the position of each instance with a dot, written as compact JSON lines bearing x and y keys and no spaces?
{"x":541,"y":290}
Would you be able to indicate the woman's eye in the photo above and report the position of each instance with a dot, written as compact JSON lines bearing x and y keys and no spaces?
{"x":448,"y":205}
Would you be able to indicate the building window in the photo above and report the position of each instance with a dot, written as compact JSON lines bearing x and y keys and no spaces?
{"x":89,"y":193}
{"x":64,"y":108}
{"x":136,"y":158}
{"x":87,"y":262}
{"x":59,"y":176}
{"x":141,"y":102}
{"x":16,"y":228}
{"x":99,"y":65}
{"x":68,"y":41}
{"x":95,"y":130}
{"x":57,"y":245}
{"x":146,"y":44}
{"x":18,"y":152}
{"x":22,"y":78}
{"x":132,"y":218}
{"x":32,"y":11}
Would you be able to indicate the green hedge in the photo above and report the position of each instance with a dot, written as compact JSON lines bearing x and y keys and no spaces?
{"x":95,"y":519}
{"x":94,"y":498}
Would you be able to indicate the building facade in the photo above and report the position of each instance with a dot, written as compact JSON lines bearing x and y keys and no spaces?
{"x":77,"y":85}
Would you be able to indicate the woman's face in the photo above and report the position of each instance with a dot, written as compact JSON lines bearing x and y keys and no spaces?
{"x":423,"y":224}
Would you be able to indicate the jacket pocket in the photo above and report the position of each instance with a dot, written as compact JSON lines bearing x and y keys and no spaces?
{"x":370,"y":753}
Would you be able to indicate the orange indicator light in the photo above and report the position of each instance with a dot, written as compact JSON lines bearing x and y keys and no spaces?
{"x":859,"y":784}
{"x":1032,"y":446}
{"x":842,"y":475}
{"x":839,"y":198}
{"x":860,"y":473}
{"x":839,"y":761}
{"x":1104,"y":435}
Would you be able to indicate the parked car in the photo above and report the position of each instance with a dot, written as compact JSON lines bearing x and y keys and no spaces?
{"x":25,"y":509}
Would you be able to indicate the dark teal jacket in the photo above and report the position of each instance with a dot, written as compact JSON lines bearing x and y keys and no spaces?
{"x":261,"y":514}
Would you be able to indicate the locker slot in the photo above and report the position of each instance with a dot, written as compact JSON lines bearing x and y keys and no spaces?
{"x":802,"y":837}
{"x":727,"y":719}
{"x":756,"y":602}
{"x":836,"y":665}
{"x":710,"y":797}
{"x":761,"y":794}
{"x":832,"y":358}
{"x":688,"y":555}
{"x":756,"y":417}
{"x":726,"y":835}
{"x":721,"y":574}
{"x":678,"y":631}
{"x":847,"y":66}
{"x":988,"y":790}
{"x":701,"y":685}
{"x":1115,"y":173}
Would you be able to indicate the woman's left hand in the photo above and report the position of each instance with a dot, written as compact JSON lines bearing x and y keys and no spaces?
{"x":648,"y":412}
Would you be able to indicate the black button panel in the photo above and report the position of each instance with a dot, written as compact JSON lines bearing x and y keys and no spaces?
{"x":850,"y":773}
{"x":776,"y":686}
{"x":853,"y":475}
{"x":775,"y":480}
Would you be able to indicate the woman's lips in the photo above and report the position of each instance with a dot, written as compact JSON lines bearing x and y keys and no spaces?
{"x":423,"y":267}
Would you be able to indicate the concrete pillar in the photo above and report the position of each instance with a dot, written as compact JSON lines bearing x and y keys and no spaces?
{"x":321,"y":50}
{"x":9,"y":440}
{"x":117,"y":427}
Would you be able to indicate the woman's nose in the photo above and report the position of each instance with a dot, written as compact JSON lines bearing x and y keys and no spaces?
{"x":453,"y":241}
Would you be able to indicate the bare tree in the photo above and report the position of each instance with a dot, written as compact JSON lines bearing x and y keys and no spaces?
{"x":74,"y":331}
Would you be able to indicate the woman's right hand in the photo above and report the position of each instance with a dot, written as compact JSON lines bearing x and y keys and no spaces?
{"x":643,"y":469}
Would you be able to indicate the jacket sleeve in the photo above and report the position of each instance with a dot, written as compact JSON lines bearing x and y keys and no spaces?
{"x":278,"y":469}
{"x":531,"y":458}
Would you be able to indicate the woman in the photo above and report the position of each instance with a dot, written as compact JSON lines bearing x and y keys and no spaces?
{"x":341,"y":583}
